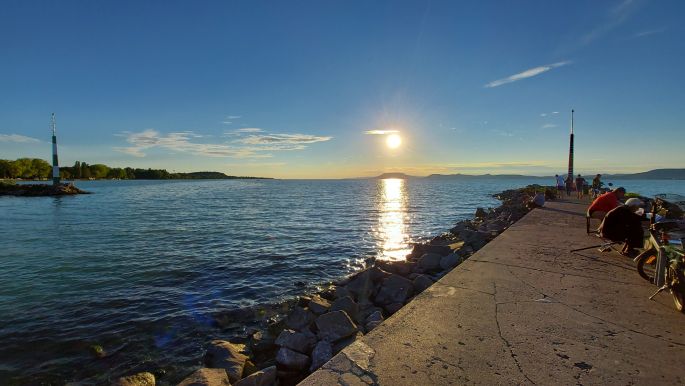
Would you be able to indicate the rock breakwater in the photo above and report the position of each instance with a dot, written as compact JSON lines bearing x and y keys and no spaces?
{"x":310,"y":331}
{"x":38,"y":190}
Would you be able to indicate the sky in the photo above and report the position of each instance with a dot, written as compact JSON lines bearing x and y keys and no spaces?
{"x":313,"y":89}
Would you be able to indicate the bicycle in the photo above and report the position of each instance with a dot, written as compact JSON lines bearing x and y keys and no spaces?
{"x":663,"y":262}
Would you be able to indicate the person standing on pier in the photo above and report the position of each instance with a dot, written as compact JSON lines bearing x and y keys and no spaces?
{"x":580,"y":186}
{"x":596,"y":185}
{"x":560,"y":184}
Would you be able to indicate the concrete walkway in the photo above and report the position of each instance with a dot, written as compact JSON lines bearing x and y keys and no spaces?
{"x":524,"y":310}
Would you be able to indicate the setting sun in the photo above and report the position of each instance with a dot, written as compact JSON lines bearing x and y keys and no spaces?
{"x":394,"y":141}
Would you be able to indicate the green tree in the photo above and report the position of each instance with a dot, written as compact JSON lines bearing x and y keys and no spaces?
{"x":24,"y":168}
{"x":5,"y":168}
{"x":76,"y":171}
{"x":85,"y":170}
{"x":99,"y":170}
{"x":41,"y":168}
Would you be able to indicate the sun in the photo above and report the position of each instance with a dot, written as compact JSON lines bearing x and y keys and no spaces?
{"x":393,"y":141}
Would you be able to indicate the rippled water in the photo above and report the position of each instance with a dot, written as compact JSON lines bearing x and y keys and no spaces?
{"x":139,"y":267}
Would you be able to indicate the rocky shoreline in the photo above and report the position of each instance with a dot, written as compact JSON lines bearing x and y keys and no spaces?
{"x":39,"y":190}
{"x":316,"y":327}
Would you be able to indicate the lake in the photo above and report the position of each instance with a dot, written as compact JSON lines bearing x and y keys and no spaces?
{"x":139,"y":267}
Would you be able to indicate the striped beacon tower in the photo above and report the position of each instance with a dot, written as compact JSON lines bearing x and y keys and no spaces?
{"x":55,"y":163}
{"x":570,"y":154}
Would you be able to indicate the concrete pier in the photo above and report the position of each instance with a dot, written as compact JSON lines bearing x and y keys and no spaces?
{"x":524,"y":310}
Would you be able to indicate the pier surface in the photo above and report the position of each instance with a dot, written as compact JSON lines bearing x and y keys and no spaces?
{"x":525,"y":310}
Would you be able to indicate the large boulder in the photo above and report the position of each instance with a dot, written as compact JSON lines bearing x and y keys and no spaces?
{"x":450,"y":261}
{"x":266,"y":377}
{"x":302,"y":342}
{"x":373,"y":320}
{"x":421,"y":283}
{"x":299,"y":318}
{"x":348,"y":305}
{"x":430,"y":262}
{"x":322,"y":353}
{"x":140,"y":379}
{"x":403,"y":268}
{"x":207,"y":377}
{"x":361,"y":286}
{"x":335,"y":325}
{"x":395,"y":289}
{"x":292,"y":359}
{"x":228,"y":356}
{"x":319,"y":305}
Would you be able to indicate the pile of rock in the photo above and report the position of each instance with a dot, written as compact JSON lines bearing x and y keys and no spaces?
{"x":321,"y":325}
{"x":35,"y":190}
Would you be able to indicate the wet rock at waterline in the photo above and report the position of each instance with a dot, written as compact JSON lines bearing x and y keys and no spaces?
{"x":140,"y":379}
{"x":228,"y":356}
{"x":207,"y":377}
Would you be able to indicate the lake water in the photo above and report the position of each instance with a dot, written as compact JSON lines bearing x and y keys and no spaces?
{"x":139,"y":267}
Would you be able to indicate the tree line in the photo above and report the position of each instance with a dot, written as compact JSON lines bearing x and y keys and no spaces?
{"x":35,"y":168}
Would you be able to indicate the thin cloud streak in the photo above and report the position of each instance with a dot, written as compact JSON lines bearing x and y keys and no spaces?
{"x":257,"y":145}
{"x":17,"y":138}
{"x":535,"y":71}
{"x":380,"y":132}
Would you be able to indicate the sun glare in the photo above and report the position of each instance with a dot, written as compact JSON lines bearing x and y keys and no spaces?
{"x":394,"y":141}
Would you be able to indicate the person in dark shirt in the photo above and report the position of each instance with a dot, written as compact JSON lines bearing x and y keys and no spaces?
{"x":624,"y":224}
{"x":580,"y":186}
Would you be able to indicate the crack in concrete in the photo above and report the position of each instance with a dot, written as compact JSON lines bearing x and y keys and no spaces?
{"x":538,"y":290}
{"x":506,"y":342}
{"x":555,"y":272}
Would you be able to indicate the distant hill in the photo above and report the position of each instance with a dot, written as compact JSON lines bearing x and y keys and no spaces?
{"x":656,"y":174}
{"x":481,"y":176}
{"x":394,"y":175}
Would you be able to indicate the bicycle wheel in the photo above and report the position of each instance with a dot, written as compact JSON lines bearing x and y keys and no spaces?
{"x":646,"y":264}
{"x":677,"y":288}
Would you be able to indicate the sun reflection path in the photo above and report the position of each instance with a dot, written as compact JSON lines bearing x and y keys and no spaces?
{"x":392,"y":226}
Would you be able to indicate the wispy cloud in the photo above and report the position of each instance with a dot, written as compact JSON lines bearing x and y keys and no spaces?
{"x":649,"y":32}
{"x":17,"y":138}
{"x":549,"y":125}
{"x":526,"y":74}
{"x":380,"y":132}
{"x":249,"y":130}
{"x":254,"y":146}
{"x":549,"y":114}
{"x":615,"y":17}
{"x":229,"y":117}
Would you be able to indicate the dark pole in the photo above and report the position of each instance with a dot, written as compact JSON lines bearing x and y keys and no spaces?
{"x":570,"y":152}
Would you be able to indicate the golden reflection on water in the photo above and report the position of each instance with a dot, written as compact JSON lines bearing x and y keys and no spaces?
{"x":392,"y":222}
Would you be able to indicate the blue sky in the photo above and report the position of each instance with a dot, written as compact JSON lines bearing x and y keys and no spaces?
{"x":291,"y":89}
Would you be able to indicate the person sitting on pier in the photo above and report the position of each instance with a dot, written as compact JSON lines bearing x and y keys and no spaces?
{"x":605,"y":203}
{"x":624,"y":224}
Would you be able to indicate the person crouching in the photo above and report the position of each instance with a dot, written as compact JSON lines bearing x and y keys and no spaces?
{"x":623,"y":223}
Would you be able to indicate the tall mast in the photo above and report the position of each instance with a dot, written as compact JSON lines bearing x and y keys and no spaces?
{"x":55,"y":163}
{"x":570,"y":152}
